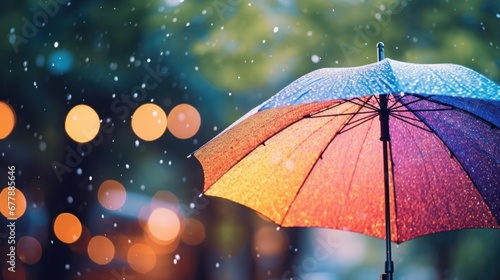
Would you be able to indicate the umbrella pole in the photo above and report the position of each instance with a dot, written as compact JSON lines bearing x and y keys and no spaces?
{"x":384,"y":137}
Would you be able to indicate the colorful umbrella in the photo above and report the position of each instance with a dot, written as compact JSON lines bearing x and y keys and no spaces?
{"x":391,"y":149}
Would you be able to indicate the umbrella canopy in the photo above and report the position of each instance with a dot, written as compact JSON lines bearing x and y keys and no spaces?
{"x":311,"y":155}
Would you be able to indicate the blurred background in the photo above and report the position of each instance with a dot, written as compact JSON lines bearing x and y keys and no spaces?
{"x":106,"y":197}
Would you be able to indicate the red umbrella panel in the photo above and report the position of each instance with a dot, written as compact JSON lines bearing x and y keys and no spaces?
{"x":319,"y":164}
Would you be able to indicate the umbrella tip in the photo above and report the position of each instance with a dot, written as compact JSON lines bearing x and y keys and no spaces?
{"x":380,"y":51}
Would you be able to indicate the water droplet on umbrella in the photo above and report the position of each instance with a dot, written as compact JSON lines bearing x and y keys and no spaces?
{"x":66,"y":266}
{"x":217,"y":265}
{"x":70,"y":199}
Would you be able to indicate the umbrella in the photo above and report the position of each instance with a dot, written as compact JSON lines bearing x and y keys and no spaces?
{"x":391,"y":149}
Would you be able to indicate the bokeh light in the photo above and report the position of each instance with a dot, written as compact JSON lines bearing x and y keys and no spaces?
{"x":111,"y":195}
{"x":149,"y":122}
{"x":184,"y":121}
{"x":60,"y":62}
{"x":164,"y":224}
{"x":82,"y":123}
{"x":101,"y":250}
{"x":19,"y":274}
{"x":29,"y":250}
{"x":141,"y":258}
{"x":67,"y":228}
{"x":164,"y":199}
{"x":194,"y":232}
{"x":19,"y":203}
{"x":268,"y":241}
{"x":8,"y":117}
{"x":161,"y":247}
{"x":143,"y":216}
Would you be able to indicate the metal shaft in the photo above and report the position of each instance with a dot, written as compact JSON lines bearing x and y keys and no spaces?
{"x":385,"y":138}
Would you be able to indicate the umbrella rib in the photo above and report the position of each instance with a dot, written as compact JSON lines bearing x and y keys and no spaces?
{"x":404,"y":119}
{"x":363,"y":103}
{"x":320,"y":157}
{"x":492,"y":125}
{"x":360,"y":121}
{"x":425,"y":166}
{"x":401,"y":104}
{"x":342,"y":102}
{"x":357,"y":123}
{"x":452,"y":154}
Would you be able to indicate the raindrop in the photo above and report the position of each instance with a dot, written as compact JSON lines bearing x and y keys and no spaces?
{"x":276,"y":29}
{"x":66,"y":266}
{"x":136,"y":143}
{"x":115,"y":78}
{"x":127,"y":166}
{"x":315,"y":58}
{"x":79,"y":171}
{"x":42,"y":146}
{"x":56,"y":44}
{"x":263,"y":41}
{"x":142,"y":187}
{"x":113,"y":66}
{"x":192,"y":205}
{"x":115,"y":225}
{"x":70,"y":199}
{"x":217,"y":265}
{"x":177,"y":257}
{"x":498,"y":15}
{"x":278,"y":228}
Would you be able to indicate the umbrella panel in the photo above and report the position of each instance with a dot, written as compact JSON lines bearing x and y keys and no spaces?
{"x":319,"y":165}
